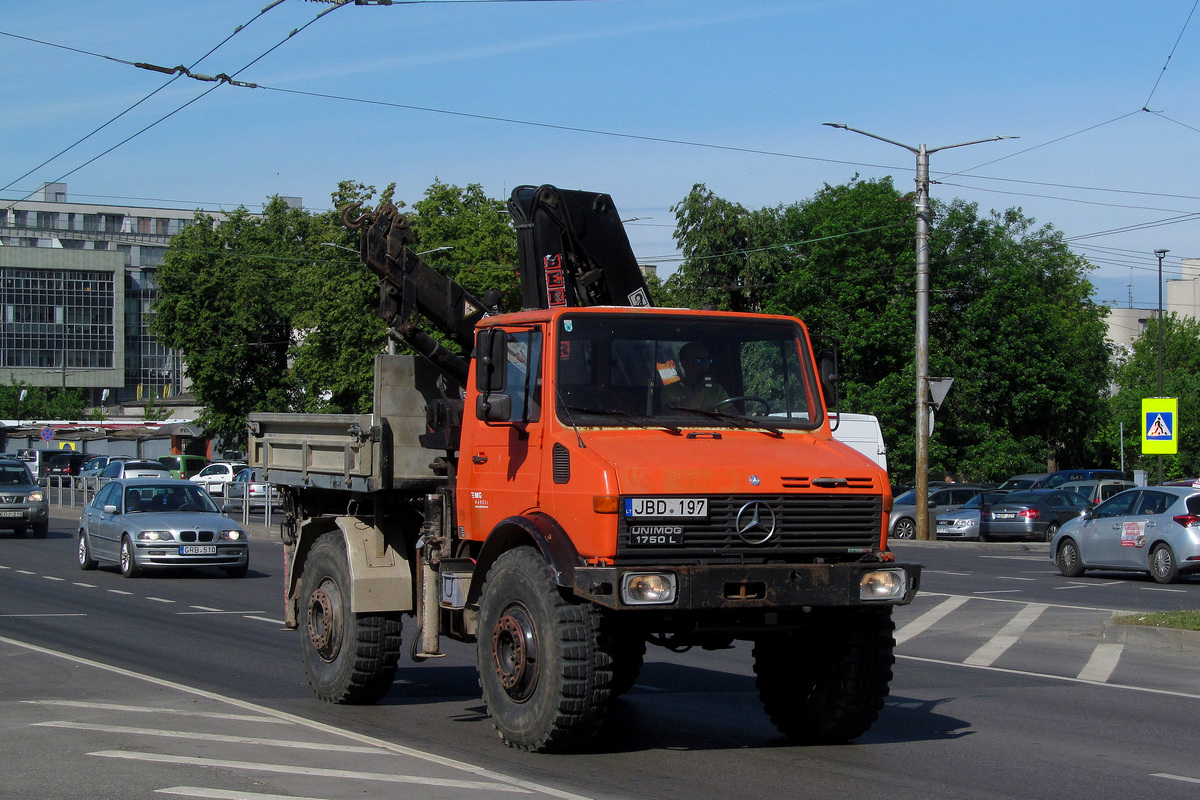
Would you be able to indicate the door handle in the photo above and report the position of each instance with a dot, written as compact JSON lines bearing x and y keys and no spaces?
{"x":478,"y":459}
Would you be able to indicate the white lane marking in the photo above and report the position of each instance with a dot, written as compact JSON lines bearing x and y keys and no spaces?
{"x":205,"y":608}
{"x":25,"y":572}
{"x":1171,"y":777}
{"x":1013,"y":578}
{"x":1026,"y":602}
{"x":278,"y":622}
{"x":224,"y":794}
{"x":1066,"y":678}
{"x":1006,"y":637}
{"x":214,"y":611}
{"x":318,"y":772}
{"x":119,"y":591}
{"x":159,"y":600}
{"x":1162,"y":589}
{"x":53,"y":578}
{"x":211,"y":737}
{"x":943,"y":572}
{"x":28,"y":616}
{"x":154,"y":710}
{"x":86,"y":585}
{"x":1102,"y":663}
{"x":929,"y":618}
{"x":391,"y":747}
{"x":998,"y":591}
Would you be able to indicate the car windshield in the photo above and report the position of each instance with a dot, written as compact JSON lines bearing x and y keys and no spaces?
{"x":657,"y":370}
{"x":168,"y":498}
{"x":13,"y":475}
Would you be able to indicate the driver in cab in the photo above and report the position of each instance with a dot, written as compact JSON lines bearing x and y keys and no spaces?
{"x":695,"y":388}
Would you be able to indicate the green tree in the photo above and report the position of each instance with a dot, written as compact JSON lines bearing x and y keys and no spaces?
{"x":40,"y":403}
{"x":224,"y":297}
{"x":843,"y":261}
{"x":1137,"y":378}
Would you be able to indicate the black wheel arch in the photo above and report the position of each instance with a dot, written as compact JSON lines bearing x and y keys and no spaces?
{"x":538,"y":530}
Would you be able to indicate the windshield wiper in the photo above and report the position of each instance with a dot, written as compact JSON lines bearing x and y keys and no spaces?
{"x":638,"y":420}
{"x":738,"y":420}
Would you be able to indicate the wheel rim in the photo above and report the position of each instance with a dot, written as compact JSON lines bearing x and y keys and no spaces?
{"x":126,"y":556}
{"x":1067,"y":557}
{"x":325,"y":620}
{"x":905,"y":529}
{"x":83,"y":553}
{"x":1162,"y":562}
{"x":514,"y":653}
{"x":1051,"y":529}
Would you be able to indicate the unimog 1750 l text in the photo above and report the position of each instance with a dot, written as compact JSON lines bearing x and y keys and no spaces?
{"x":595,"y":475}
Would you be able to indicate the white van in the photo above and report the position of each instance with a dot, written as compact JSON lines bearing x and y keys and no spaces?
{"x":862,"y":432}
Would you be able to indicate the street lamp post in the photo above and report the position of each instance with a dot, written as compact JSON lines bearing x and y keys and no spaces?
{"x":922,"y":329}
{"x":1160,"y":254}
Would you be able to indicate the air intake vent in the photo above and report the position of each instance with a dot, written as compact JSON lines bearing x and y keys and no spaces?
{"x":807,"y":482}
{"x":562,"y":464}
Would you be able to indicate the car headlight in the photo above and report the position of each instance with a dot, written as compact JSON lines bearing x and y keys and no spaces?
{"x":232,"y":536}
{"x":648,"y":588}
{"x":156,"y":536}
{"x":883,"y":584}
{"x":36,"y":497}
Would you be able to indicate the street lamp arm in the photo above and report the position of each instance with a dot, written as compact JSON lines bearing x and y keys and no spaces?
{"x":871,"y":135}
{"x":964,"y":144}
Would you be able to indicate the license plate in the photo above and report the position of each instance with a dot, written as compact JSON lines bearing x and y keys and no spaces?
{"x":12,"y":513}
{"x":1005,"y":516}
{"x":197,"y":549}
{"x":681,"y":507}
{"x":943,"y":528}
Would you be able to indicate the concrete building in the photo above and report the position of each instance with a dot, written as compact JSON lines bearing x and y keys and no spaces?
{"x":77,"y":282}
{"x":1181,"y":296}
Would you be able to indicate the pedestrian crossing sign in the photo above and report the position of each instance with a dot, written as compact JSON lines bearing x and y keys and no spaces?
{"x":1160,"y":432}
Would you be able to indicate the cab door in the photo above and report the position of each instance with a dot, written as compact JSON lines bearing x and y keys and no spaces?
{"x":500,"y":459}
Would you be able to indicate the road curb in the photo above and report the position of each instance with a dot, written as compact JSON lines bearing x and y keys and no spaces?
{"x":1174,"y":639}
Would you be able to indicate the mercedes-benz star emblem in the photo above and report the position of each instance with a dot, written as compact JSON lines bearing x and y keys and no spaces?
{"x":755,"y":522}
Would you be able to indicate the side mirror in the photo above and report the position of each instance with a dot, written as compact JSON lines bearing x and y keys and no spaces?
{"x":493,"y":407}
{"x":491,"y":359}
{"x":827,"y":371}
{"x":1088,"y":513}
{"x":110,"y":509}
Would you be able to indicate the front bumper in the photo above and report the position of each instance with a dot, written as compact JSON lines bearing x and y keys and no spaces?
{"x":23,"y":517}
{"x":742,"y":587}
{"x":165,"y":555}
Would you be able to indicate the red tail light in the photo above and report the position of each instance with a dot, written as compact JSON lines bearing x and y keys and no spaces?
{"x":1188,"y":520}
{"x":1031,"y":513}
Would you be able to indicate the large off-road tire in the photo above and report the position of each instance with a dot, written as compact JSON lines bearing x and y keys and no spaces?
{"x":826,"y":683}
{"x":349,"y":658}
{"x":629,"y":654}
{"x":545,"y":665}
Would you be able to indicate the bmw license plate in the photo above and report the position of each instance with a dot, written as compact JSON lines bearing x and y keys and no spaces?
{"x":678,"y":507}
{"x":197,"y":549}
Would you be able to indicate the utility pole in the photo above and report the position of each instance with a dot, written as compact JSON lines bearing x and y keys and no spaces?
{"x":1160,"y":254}
{"x":922,"y":334}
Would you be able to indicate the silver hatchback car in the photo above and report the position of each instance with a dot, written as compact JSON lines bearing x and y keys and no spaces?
{"x":1153,"y":529}
{"x":146,"y":523}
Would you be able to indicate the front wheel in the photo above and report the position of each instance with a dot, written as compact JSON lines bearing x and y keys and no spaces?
{"x":1163,"y":566}
{"x":544,"y":667}
{"x":1068,"y":560}
{"x":85,"y":553}
{"x":129,"y":565}
{"x":906,"y":528}
{"x":349,"y":658}
{"x":826,"y":683}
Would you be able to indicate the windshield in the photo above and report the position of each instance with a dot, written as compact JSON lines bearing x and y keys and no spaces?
{"x":628,"y":369}
{"x":169,"y":498}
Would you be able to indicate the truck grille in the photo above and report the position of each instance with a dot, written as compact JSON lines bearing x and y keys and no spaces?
{"x":831,"y":526}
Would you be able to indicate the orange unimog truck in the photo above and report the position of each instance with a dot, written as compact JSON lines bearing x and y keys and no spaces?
{"x":597,"y":475}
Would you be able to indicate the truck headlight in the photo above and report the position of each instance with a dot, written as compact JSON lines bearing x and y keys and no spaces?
{"x":648,"y":588}
{"x":883,"y":584}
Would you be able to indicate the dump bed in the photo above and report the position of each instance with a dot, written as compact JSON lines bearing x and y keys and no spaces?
{"x":372,"y":452}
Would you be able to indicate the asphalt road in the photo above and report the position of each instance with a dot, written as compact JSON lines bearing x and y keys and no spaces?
{"x":1011,"y":682}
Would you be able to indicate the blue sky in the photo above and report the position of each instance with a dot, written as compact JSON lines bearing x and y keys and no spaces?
{"x":637,"y":98}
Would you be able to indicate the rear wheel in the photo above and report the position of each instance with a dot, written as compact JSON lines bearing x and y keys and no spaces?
{"x":826,"y":683}
{"x":349,"y":658}
{"x":1163,"y":566}
{"x":1068,"y":560}
{"x":544,"y":667}
{"x":1051,"y":529}
{"x":129,"y":566}
{"x":905,"y":528}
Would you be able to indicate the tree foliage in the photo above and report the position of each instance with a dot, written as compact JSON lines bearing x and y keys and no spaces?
{"x":275,"y":312}
{"x":1137,"y":378}
{"x":41,"y":402}
{"x":1010,"y":316}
